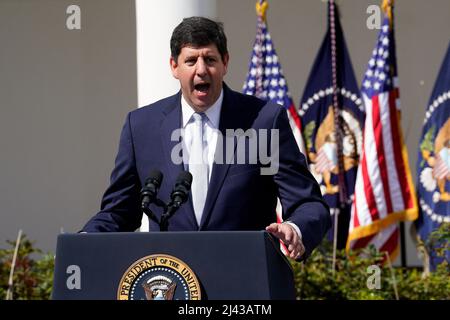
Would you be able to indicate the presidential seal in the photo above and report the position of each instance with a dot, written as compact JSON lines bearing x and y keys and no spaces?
{"x":159,"y":277}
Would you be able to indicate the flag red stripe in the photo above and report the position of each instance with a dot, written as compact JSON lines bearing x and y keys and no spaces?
{"x":295,"y":117}
{"x":362,"y":242}
{"x":370,"y":197}
{"x":378,"y":134}
{"x":400,"y":165}
{"x":391,"y":243}
{"x":355,"y":213}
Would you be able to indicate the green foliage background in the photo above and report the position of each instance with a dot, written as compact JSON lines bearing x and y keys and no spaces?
{"x":33,"y":277}
{"x":314,"y":279}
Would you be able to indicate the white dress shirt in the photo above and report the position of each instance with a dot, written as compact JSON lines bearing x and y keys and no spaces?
{"x":210,"y":130}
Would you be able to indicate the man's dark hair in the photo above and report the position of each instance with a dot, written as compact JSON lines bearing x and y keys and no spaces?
{"x":196,"y":32}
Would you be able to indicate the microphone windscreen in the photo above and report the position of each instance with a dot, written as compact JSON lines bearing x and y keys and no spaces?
{"x":185,"y":178}
{"x":156,"y":176}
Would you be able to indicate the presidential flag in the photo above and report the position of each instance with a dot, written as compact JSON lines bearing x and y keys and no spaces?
{"x":433,"y":163}
{"x":332,"y":116}
{"x":384,"y":193}
{"x":266,"y":81}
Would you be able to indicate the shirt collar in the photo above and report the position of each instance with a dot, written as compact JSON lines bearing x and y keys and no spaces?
{"x":213,"y":112}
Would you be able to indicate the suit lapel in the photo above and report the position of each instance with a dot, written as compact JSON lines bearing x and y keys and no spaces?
{"x":228,"y":120}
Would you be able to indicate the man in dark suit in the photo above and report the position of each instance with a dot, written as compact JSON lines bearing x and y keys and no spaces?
{"x":230,"y":194}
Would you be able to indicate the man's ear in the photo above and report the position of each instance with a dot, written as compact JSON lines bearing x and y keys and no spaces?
{"x":226,"y":58}
{"x":174,"y":67}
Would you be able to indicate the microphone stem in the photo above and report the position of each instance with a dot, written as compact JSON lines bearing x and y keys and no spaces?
{"x":149,"y":213}
{"x":169,"y":210}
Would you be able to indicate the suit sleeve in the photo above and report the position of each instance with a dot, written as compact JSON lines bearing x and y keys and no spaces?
{"x":298,"y":191}
{"x":120,"y":210}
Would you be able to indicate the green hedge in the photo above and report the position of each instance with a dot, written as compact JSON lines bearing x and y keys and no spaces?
{"x":33,"y":273}
{"x":314,"y":279}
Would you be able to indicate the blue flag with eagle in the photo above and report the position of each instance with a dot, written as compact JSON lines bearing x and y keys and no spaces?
{"x":433,"y":163}
{"x":332,"y":115}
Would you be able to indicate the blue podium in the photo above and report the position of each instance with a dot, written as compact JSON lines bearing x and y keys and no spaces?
{"x":211,"y":265}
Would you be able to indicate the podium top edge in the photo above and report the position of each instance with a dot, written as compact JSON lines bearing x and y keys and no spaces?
{"x":137,"y":233}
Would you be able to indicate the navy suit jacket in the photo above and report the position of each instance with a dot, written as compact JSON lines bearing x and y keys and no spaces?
{"x":239,"y":197}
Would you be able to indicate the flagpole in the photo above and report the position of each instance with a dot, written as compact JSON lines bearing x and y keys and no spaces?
{"x":389,"y":9}
{"x":338,"y":130}
{"x":9,"y":292}
{"x":388,"y":6}
{"x":336,"y":119}
{"x":402,"y":245}
{"x":261,"y":7}
{"x":394,"y":281}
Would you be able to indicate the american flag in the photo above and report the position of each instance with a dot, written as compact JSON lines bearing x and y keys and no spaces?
{"x":384,"y":192}
{"x":265,"y":78}
{"x":266,"y":81}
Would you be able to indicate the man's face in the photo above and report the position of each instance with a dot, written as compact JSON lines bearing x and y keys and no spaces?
{"x":200,"y":71}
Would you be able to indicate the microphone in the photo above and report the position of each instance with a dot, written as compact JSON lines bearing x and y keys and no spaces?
{"x":180,"y":192}
{"x":151,"y":187}
{"x":178,"y":196}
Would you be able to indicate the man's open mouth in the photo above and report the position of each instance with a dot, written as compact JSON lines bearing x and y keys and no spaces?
{"x":202,"y":87}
